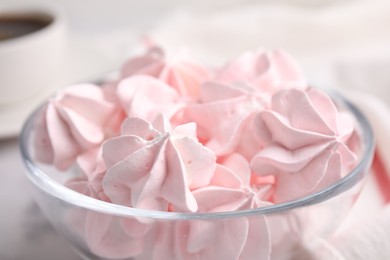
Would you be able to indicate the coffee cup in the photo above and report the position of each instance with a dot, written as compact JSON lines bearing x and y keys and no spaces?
{"x":32,"y":51}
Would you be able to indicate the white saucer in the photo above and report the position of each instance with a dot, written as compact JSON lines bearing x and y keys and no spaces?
{"x":83,"y":62}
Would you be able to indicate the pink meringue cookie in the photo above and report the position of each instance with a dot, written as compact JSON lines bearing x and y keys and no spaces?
{"x":178,"y":72}
{"x":114,"y":124}
{"x":232,"y":188}
{"x":305,"y":142}
{"x":90,"y":186}
{"x":91,"y":172}
{"x":224,"y":117}
{"x":113,"y":237}
{"x":146,"y":97}
{"x":229,"y":190}
{"x":222,"y":239}
{"x":71,"y":123}
{"x":269,"y":71}
{"x":150,"y":167}
{"x":107,"y":236}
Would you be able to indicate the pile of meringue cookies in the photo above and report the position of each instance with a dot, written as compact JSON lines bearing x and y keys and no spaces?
{"x":170,"y":134}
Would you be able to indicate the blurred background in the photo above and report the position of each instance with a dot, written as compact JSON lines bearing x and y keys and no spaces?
{"x":340,"y":43}
{"x":316,"y":32}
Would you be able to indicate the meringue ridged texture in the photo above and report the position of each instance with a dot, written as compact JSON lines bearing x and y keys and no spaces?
{"x":172,"y":135}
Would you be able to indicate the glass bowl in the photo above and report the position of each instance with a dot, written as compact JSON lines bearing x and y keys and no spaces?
{"x":101,"y":230}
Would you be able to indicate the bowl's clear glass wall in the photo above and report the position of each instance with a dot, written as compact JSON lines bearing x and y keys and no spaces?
{"x":99,"y":230}
{"x":96,"y":235}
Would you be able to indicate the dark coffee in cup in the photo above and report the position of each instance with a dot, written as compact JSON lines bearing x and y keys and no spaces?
{"x":17,"y":25}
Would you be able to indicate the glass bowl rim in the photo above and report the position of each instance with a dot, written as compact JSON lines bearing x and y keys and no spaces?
{"x":61,"y":192}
